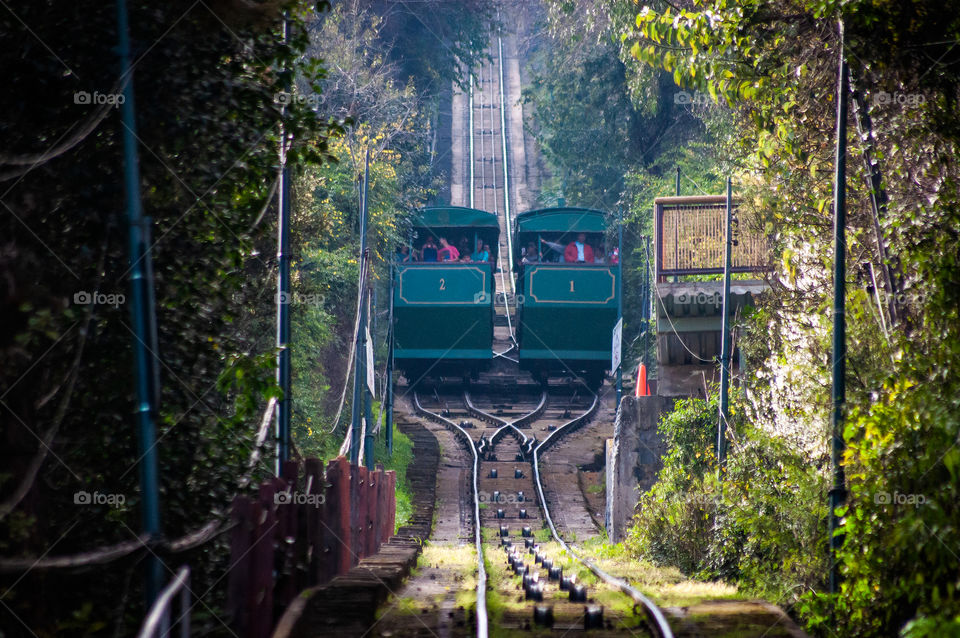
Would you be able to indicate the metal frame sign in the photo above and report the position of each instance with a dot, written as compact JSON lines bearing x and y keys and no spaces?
{"x":615,"y":349}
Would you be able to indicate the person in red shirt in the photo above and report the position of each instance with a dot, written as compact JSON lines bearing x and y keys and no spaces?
{"x":578,"y":251}
{"x":447,"y":252}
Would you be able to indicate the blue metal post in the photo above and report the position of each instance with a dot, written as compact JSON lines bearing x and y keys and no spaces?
{"x":389,"y":390}
{"x":725,"y":339}
{"x":838,"y":490}
{"x":144,"y":322}
{"x":283,"y":300}
{"x":620,"y":299}
{"x":360,"y":375}
{"x":368,"y":412}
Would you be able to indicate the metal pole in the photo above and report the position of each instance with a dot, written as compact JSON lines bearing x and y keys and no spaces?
{"x":144,"y":322}
{"x":389,"y":397}
{"x":360,"y":364}
{"x":367,"y":399}
{"x":678,"y":181}
{"x":506,"y":172}
{"x":620,"y":299}
{"x":470,"y":186}
{"x":838,"y":491}
{"x":725,"y":339}
{"x":359,"y":377}
{"x":283,"y":296}
{"x":368,"y":413}
{"x":646,"y":311}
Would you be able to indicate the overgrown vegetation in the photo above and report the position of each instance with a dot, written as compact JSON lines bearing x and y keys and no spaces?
{"x":773,"y":66}
{"x":613,"y":134}
{"x":213,"y":82}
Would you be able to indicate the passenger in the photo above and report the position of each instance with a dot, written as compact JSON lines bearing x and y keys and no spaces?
{"x":463,"y":246}
{"x":615,"y":256}
{"x":429,"y":251}
{"x":486,"y":249}
{"x":447,"y":252}
{"x":530,"y":255}
{"x":482,"y":253}
{"x":403,"y":254}
{"x":578,"y":251}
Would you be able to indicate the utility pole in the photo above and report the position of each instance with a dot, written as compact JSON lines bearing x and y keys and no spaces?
{"x":678,"y":181}
{"x":147,"y":379}
{"x":620,"y":300}
{"x":283,"y":288}
{"x":838,"y":490}
{"x":725,"y":340}
{"x":647,"y":309}
{"x":360,"y":363}
{"x":389,"y":384}
{"x":367,"y":409}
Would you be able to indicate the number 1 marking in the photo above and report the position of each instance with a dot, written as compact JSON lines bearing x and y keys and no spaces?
{"x":571,"y":286}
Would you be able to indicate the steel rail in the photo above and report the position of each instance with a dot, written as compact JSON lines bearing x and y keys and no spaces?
{"x":483,"y":191}
{"x":482,"y":628}
{"x":655,"y":617}
{"x":504,"y":424}
{"x":470,"y":137}
{"x":506,"y":172}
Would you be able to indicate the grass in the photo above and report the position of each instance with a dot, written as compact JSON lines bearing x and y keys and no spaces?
{"x":666,"y":585}
{"x":504,"y":596}
{"x":401,"y":458}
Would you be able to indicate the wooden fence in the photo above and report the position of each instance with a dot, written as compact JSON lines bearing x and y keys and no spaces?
{"x":690,"y":233}
{"x":304,"y":528}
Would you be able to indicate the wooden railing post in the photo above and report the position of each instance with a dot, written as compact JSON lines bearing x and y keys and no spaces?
{"x":241,"y":537}
{"x":358,"y":478}
{"x":309,"y":553}
{"x":260,"y":600}
{"x":288,"y":511}
{"x":336,"y":521}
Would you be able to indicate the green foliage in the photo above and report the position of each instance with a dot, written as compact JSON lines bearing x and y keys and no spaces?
{"x":760,"y":522}
{"x":774,"y":64}
{"x":398,"y":461}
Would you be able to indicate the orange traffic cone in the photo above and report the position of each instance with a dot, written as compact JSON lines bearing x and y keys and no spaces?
{"x":642,"y":388}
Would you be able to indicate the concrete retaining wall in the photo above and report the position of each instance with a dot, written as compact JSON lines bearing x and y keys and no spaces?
{"x":633,"y":458}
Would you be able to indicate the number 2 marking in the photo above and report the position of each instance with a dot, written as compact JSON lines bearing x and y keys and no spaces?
{"x":571,"y":286}
{"x":443,"y":284}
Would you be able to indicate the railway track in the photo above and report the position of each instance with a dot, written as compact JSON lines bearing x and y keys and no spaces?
{"x":529,"y":576}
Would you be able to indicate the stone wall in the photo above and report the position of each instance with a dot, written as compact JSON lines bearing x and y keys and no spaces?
{"x":633,"y":458}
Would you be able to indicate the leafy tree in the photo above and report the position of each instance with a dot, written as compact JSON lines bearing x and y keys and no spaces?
{"x":774,"y":64}
{"x":207,"y":81}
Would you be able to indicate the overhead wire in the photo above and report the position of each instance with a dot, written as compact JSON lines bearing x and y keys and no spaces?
{"x":673,"y":326}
